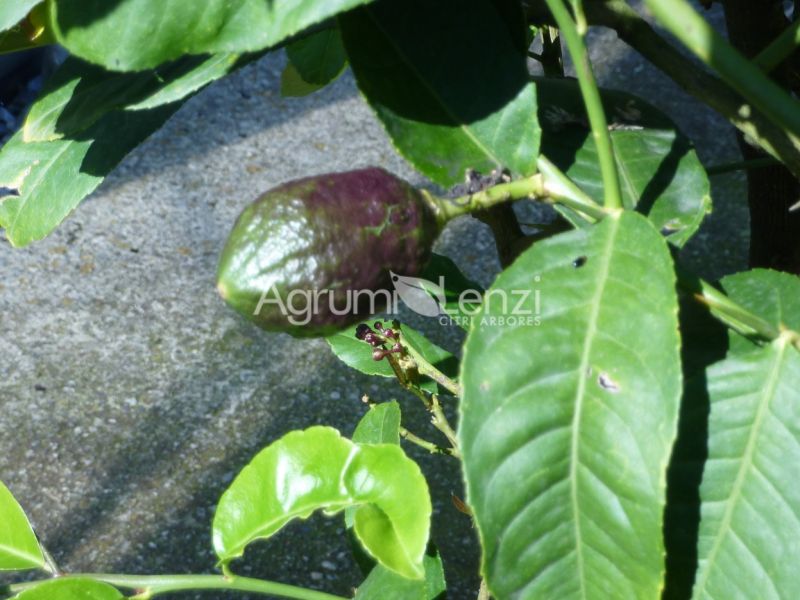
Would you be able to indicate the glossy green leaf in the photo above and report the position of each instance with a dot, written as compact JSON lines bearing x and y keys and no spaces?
{"x":315,"y":469}
{"x":771,"y":295}
{"x":142,"y":34}
{"x":566,"y":428}
{"x":49,"y":179}
{"x":71,"y":588}
{"x":383,"y":584}
{"x":381,"y":425}
{"x":358,"y":354}
{"x":750,"y":517}
{"x":13,"y":11}
{"x":79,"y":93}
{"x":660,"y":173}
{"x":318,"y":58}
{"x":19,"y":548}
{"x":447,"y":83}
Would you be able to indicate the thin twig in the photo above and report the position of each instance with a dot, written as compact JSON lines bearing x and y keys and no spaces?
{"x":573,"y":32}
{"x":423,"y":443}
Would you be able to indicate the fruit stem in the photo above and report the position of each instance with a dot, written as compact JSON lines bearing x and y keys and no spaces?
{"x":550,"y":185}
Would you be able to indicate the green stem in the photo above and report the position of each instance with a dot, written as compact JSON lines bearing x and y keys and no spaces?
{"x":573,"y":31}
{"x":439,"y":420}
{"x":740,"y":165}
{"x":149,"y":586}
{"x":682,"y":21}
{"x":560,"y":189}
{"x":780,"y":49}
{"x":424,"y":367}
{"x":422,"y":443}
{"x":697,"y":81}
{"x":550,"y":185}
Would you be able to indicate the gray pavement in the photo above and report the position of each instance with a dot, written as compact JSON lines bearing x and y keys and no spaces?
{"x":131,"y":396}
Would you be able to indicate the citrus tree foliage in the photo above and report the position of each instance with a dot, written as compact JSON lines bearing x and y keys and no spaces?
{"x":625,"y":429}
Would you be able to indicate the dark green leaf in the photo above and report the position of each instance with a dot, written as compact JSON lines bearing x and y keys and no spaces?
{"x":142,"y":34}
{"x":383,"y":584}
{"x":318,"y":58}
{"x":19,"y":548}
{"x":448,"y":84}
{"x":71,"y":588}
{"x":381,"y":425}
{"x":750,"y":523}
{"x":79,"y":94}
{"x":51,"y":178}
{"x":566,"y":428}
{"x":305,"y":471}
{"x":660,"y":173}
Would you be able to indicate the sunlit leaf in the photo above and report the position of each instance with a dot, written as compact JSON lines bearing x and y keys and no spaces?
{"x":315,"y":469}
{"x":19,"y":548}
{"x":566,"y":427}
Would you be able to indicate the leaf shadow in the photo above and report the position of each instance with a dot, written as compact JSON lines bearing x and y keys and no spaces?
{"x":705,"y":342}
{"x":664,"y":175}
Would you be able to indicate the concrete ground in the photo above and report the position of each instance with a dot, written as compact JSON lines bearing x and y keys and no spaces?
{"x":131,"y":396}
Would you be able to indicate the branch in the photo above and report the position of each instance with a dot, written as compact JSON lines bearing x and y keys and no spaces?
{"x":709,"y":46}
{"x":156,"y":585}
{"x":550,"y":185}
{"x":780,"y":49}
{"x":640,"y":36}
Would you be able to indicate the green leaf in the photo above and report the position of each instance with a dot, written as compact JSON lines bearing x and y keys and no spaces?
{"x":750,"y":514}
{"x":294,"y":86}
{"x":13,"y":11}
{"x":79,"y":93}
{"x":448,"y":84}
{"x":383,"y":584}
{"x":71,"y":588}
{"x":566,"y":428}
{"x":50,"y":179}
{"x":358,"y":354}
{"x":771,"y":295}
{"x":19,"y":548}
{"x":318,"y":58}
{"x":305,"y":471}
{"x":660,"y":173}
{"x":381,"y":425}
{"x":142,"y":34}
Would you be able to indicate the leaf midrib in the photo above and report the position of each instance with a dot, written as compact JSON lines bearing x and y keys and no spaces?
{"x":581,"y":393}
{"x":747,"y":464}
{"x":17,"y":553}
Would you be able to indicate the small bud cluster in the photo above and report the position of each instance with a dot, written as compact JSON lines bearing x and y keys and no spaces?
{"x":378,"y":339}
